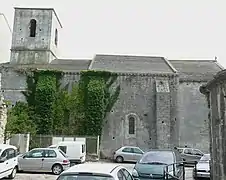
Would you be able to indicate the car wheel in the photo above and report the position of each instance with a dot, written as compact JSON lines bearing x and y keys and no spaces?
{"x":13,"y":174}
{"x":57,"y":169}
{"x":119,"y":159}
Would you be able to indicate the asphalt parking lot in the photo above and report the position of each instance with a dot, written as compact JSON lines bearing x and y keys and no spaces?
{"x":41,"y":176}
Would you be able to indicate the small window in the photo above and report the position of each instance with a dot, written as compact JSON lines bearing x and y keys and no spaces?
{"x":131,"y":125}
{"x":32,"y":28}
{"x":56,"y":37}
{"x":50,"y":154}
{"x":127,"y":150}
{"x":63,"y":148}
{"x":83,"y":148}
{"x":137,"y":151}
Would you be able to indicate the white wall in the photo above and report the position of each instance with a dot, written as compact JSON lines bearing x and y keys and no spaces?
{"x":5,"y":39}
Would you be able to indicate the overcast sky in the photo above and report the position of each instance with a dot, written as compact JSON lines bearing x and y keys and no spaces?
{"x":175,"y":29}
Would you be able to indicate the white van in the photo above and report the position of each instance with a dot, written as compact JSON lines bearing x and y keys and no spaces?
{"x":8,"y":161}
{"x":75,"y":150}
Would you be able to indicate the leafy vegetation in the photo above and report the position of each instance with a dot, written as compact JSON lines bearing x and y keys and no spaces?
{"x":52,"y":110}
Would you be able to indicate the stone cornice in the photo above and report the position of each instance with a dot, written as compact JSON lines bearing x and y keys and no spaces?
{"x":20,"y":67}
{"x":136,"y":74}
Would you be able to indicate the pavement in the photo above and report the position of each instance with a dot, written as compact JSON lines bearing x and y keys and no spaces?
{"x":41,"y":176}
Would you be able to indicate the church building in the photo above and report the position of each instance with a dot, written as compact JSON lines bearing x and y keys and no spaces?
{"x":159,"y":105}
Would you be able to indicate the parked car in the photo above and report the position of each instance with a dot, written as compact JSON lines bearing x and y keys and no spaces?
{"x":190,"y":155}
{"x":75,"y":150}
{"x":153,"y":163}
{"x":43,"y":160}
{"x":8,"y":161}
{"x":94,"y":171}
{"x":128,"y":154}
{"x":203,"y":167}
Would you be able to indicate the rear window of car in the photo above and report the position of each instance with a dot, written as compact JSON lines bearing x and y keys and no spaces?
{"x":85,"y":176}
{"x":62,"y":153}
{"x":165,"y":157}
{"x":206,"y":157}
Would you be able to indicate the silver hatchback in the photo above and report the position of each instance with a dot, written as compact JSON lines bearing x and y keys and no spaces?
{"x":43,"y":160}
{"x":128,"y":154}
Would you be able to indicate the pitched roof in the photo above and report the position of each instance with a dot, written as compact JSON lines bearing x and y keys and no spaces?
{"x":198,"y":70}
{"x":72,"y":65}
{"x":65,"y":65}
{"x":133,"y":64}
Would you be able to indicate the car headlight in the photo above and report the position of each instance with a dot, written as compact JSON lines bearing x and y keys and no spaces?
{"x":135,"y":173}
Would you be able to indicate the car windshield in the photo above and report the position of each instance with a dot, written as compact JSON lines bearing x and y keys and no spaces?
{"x":85,"y":177}
{"x":205,"y":157}
{"x":157,"y":157}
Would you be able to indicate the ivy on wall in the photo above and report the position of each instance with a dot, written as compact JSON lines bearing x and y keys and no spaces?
{"x":53,"y":110}
{"x":97,"y":98}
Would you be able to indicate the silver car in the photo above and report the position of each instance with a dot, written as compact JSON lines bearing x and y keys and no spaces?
{"x":128,"y":154}
{"x":203,"y":167}
{"x":43,"y":160}
{"x":190,"y":155}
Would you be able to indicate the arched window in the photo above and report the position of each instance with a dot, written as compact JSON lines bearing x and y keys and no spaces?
{"x":56,"y":37}
{"x":131,"y":125}
{"x":32,"y":28}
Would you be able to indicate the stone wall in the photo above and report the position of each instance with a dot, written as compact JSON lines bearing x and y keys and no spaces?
{"x":215,"y":90}
{"x":193,"y":114}
{"x":152,"y":101}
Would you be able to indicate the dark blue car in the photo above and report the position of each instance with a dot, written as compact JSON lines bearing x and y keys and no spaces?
{"x":152,"y":164}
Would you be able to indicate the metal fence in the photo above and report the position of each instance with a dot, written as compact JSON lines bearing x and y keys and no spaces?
{"x":92,"y":143}
{"x":174,"y":174}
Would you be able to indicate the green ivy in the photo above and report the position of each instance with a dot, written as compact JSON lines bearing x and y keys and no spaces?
{"x":45,"y":95}
{"x":97,"y":97}
{"x":53,"y":110}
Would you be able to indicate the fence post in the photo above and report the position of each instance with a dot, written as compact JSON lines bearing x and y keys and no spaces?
{"x":98,"y":146}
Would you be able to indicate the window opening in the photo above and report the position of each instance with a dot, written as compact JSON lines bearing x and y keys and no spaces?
{"x":131,"y":125}
{"x":32,"y":28}
{"x":56,"y":37}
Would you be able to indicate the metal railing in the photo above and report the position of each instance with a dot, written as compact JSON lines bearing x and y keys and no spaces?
{"x":177,"y":172}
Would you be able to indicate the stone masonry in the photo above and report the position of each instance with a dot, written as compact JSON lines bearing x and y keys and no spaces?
{"x":215,"y":91}
{"x":159,"y":105}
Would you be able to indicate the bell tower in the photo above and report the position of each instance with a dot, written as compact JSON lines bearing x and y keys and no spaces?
{"x":35,"y":36}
